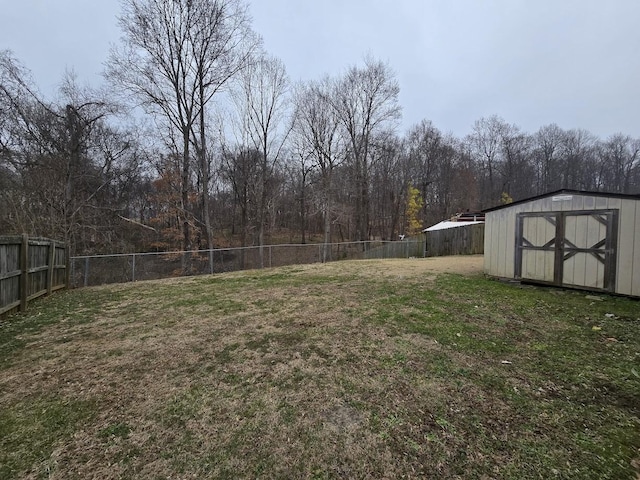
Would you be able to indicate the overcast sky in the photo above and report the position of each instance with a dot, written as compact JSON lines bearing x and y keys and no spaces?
{"x":532,"y":62}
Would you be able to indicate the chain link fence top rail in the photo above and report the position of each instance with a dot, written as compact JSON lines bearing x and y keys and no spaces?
{"x":130,"y":267}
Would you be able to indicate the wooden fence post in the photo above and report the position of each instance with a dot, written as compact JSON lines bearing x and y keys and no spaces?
{"x":24,"y":272}
{"x":52,"y":261}
{"x":67,"y":268}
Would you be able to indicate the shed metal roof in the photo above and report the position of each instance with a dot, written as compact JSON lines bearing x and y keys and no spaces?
{"x":448,"y":224}
{"x":565,"y":192}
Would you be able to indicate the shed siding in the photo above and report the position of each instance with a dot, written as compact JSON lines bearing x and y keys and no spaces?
{"x":487,"y":257}
{"x":628,"y":274}
{"x":499,"y":249}
{"x":488,"y":239}
{"x":635,"y":255}
{"x":589,"y":203}
{"x":582,"y":269}
{"x":626,"y":244}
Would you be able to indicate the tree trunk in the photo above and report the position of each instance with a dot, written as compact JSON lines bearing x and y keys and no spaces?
{"x":186,"y":238}
{"x":205,"y":169}
{"x":263,"y":202}
{"x":327,"y":228}
{"x":365,"y":200}
{"x":303,"y":208}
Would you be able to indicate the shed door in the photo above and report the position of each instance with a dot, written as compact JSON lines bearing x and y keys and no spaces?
{"x":536,"y":235}
{"x":568,"y":248}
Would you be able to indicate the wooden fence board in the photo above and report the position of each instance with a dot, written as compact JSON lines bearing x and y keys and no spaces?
{"x":409,"y":247}
{"x":463,"y":240}
{"x":29,"y":268}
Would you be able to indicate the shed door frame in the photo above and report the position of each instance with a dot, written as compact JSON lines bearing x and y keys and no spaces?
{"x":605,"y":251}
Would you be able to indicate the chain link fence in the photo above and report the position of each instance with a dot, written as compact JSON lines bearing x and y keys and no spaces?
{"x":131,"y":267}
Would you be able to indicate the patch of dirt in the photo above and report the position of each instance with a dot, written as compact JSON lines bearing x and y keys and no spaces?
{"x":341,"y":418}
{"x":462,"y":264}
{"x":406,"y":267}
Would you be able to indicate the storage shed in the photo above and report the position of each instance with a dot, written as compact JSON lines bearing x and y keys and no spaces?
{"x":587,"y":240}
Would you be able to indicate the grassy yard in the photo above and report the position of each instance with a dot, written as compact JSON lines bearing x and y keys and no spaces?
{"x":364,"y":369}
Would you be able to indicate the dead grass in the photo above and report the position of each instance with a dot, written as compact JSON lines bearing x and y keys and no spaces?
{"x":368,"y":369}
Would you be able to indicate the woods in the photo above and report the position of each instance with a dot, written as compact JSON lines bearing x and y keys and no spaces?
{"x":199,"y":139}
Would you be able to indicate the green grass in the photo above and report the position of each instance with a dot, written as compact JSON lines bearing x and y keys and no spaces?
{"x":327,"y":372}
{"x":69,"y":308}
{"x":30,"y":429}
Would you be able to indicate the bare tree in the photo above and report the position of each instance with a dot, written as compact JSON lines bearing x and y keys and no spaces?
{"x":300,"y":169}
{"x":240,"y":170}
{"x":485,"y":142}
{"x":316,"y":130}
{"x":390,"y":180}
{"x":426,"y":150}
{"x":441,"y":166}
{"x":547,"y":144}
{"x":222,"y":45}
{"x":262,"y":101}
{"x":176,"y":55}
{"x":515,"y":167}
{"x":69,"y":169}
{"x":578,"y":160}
{"x":365,"y":101}
{"x":619,"y":157}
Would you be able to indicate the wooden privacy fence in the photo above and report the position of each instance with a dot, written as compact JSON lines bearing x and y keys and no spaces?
{"x":406,"y":248}
{"x":30,"y":268}
{"x":462,"y":240}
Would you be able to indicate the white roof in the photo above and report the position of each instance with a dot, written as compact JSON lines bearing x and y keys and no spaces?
{"x":448,"y":224}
